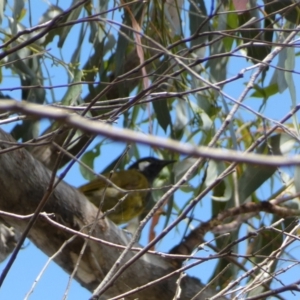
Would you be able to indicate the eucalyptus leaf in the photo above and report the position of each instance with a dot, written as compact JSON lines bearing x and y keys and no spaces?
{"x":286,"y":144}
{"x":52,"y":12}
{"x":218,"y":65}
{"x":97,"y":29}
{"x":214,"y":169}
{"x":181,"y":167}
{"x":17,"y":9}
{"x":254,"y":176}
{"x":88,"y":158}
{"x":63,"y":31}
{"x":265,"y":92}
{"x":73,"y":94}
{"x":290,"y":65}
{"x":297,"y":179}
{"x":205,"y":119}
{"x":2,"y":8}
{"x":162,"y":113}
{"x":285,"y":8}
{"x":172,"y":11}
{"x":279,"y":73}
{"x":252,"y":32}
{"x":181,"y":116}
{"x":197,"y":18}
{"x":72,"y":16}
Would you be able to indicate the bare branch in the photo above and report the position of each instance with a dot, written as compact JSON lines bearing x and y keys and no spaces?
{"x":127,"y":135}
{"x":73,"y":210}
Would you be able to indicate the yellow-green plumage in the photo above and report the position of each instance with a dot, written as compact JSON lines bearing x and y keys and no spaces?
{"x":134,"y":203}
{"x":138,"y":178}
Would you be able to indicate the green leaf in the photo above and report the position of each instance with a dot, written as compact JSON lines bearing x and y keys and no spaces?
{"x":206,"y":122}
{"x":88,"y":158}
{"x":162,"y":114}
{"x":290,"y":65}
{"x":265,"y":92}
{"x":297,"y":179}
{"x":72,"y":16}
{"x":51,"y":13}
{"x":2,"y":7}
{"x":279,"y":76}
{"x":214,"y":169}
{"x":232,"y":23}
{"x":284,"y":9}
{"x":252,"y":31}
{"x":97,"y":30}
{"x":197,"y":18}
{"x":181,"y":167}
{"x":218,"y":66}
{"x":181,"y":116}
{"x":73,"y":94}
{"x":254,"y":176}
{"x":18,"y":9}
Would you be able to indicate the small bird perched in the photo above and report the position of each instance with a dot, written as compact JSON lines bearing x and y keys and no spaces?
{"x":139,"y":176}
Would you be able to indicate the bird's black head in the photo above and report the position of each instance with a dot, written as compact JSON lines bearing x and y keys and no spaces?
{"x":150,"y":166}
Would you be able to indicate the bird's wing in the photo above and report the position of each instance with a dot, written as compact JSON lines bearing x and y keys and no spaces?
{"x":130,"y":180}
{"x":126,"y":180}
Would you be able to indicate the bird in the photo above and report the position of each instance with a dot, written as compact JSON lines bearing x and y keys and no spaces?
{"x":137,"y":179}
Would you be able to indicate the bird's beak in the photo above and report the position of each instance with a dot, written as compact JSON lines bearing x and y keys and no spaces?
{"x":167,"y":162}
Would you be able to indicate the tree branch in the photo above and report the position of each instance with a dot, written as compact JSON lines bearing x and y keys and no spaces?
{"x":23,"y":182}
{"x":127,"y":135}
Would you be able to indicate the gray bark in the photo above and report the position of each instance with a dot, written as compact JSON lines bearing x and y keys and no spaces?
{"x":23,"y":182}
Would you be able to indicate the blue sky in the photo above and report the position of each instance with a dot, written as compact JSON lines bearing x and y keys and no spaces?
{"x":30,"y":261}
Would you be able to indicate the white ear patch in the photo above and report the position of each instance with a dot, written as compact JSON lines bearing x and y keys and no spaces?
{"x":143,"y":165}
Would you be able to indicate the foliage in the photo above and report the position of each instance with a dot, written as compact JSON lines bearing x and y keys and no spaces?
{"x":198,"y":73}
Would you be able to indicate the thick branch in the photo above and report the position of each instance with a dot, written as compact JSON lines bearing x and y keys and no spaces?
{"x":195,"y":237}
{"x":23,"y":182}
